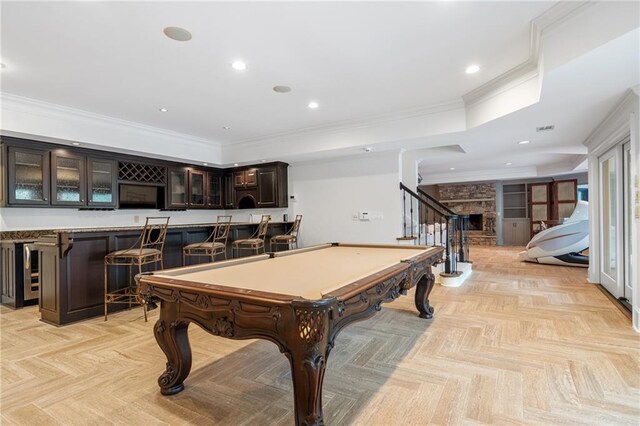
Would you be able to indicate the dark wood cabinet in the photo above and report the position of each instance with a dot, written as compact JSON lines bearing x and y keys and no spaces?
{"x":267,"y":187}
{"x":229,"y":191}
{"x":41,"y":174}
{"x":564,"y":196}
{"x":68,"y":180}
{"x":272,"y":186}
{"x":177,"y":189}
{"x":245,"y":178}
{"x":102,"y":176}
{"x":214,"y":190}
{"x":28,"y":176}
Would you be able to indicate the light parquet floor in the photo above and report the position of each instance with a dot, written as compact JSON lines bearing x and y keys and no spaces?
{"x":517,"y":344}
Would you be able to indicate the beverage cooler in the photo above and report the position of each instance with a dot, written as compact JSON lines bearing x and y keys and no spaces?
{"x":19,"y":273}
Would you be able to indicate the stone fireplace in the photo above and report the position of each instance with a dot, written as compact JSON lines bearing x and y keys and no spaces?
{"x":478,"y":200}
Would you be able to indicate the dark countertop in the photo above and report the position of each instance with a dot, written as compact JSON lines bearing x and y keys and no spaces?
{"x":29,"y":236}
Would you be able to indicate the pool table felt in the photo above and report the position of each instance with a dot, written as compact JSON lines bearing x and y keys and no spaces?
{"x":309,"y":274}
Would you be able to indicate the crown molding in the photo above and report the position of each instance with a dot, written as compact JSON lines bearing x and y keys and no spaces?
{"x":354,"y":124}
{"x":615,"y":125}
{"x":19,"y":103}
{"x":540,"y":26}
{"x":479,"y":175}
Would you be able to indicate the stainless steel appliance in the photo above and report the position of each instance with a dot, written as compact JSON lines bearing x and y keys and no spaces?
{"x":19,"y":273}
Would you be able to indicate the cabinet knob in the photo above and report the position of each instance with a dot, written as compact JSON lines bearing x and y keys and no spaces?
{"x":46,"y":199}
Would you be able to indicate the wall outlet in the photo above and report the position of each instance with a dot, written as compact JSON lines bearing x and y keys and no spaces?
{"x":364,"y":216}
{"x":136,"y":219}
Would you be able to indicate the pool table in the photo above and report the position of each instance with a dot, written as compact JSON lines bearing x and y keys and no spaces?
{"x":299,"y":299}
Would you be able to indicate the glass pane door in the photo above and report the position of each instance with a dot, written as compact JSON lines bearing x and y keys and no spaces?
{"x":29,"y":177}
{"x":609,"y":222}
{"x":101,"y":181}
{"x":610,"y":226}
{"x":68,"y":180}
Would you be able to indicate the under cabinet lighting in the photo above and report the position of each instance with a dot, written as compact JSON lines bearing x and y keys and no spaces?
{"x":235,"y":164}
{"x":205,"y":164}
{"x":75,"y":143}
{"x":523,"y":142}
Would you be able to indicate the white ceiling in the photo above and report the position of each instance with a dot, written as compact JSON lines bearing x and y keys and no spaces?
{"x":359,"y":60}
{"x":356,"y":59}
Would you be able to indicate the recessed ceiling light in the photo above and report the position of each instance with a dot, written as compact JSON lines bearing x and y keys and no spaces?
{"x":205,"y":164}
{"x":508,"y":164}
{"x":367,"y":149}
{"x":235,"y":164}
{"x":472,"y":69}
{"x":163,"y":110}
{"x":523,"y":142}
{"x":264,"y":161}
{"x":313,"y":105}
{"x":177,"y":34}
{"x":239,"y":66}
{"x":281,"y":89}
{"x":226,"y":127}
{"x":452,"y":168}
{"x":75,"y":143}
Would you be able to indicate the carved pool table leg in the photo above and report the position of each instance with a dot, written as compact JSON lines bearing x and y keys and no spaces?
{"x":171,"y":335}
{"x":307,"y":371}
{"x":307,"y":347}
{"x":423,"y":288}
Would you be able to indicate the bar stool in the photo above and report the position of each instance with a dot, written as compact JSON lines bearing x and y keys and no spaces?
{"x":147,"y":249}
{"x":215,"y":244}
{"x":254,"y":242}
{"x":290,"y":237}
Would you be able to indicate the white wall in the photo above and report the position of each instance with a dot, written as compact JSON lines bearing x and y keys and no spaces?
{"x":327,"y":194}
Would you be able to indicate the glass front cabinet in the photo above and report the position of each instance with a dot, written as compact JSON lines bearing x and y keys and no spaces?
{"x":197,"y":189}
{"x":28,"y":179}
{"x":102,"y":175}
{"x":177,"y":188}
{"x":67,"y":179}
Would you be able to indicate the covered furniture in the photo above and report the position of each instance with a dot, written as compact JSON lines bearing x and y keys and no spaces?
{"x":215,"y":244}
{"x":254,"y":242}
{"x":288,"y":239}
{"x":147,"y":249}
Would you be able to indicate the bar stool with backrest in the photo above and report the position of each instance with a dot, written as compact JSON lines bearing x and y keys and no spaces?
{"x":290,"y":238}
{"x":215,"y":244}
{"x":147,"y":249}
{"x":254,"y":242}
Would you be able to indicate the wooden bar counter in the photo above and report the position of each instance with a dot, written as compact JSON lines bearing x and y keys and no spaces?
{"x":72,"y":264}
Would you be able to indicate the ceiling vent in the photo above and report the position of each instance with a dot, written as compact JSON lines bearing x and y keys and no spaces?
{"x":545,"y":128}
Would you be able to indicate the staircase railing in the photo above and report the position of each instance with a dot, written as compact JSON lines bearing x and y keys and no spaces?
{"x":428,"y":222}
{"x":463,"y":226}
